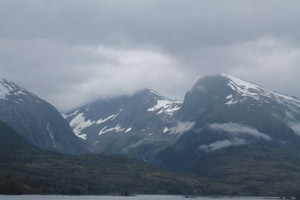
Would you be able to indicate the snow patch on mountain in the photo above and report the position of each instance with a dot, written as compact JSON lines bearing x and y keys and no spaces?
{"x":242,"y":84}
{"x":128,"y":130}
{"x":238,"y":129}
{"x":249,"y":90}
{"x":221,"y":144}
{"x":111,"y":117}
{"x":231,"y":102}
{"x":4,"y":89}
{"x":50,"y":131}
{"x":100,"y":121}
{"x":20,"y":93}
{"x":8,"y":88}
{"x":117,"y":129}
{"x":229,"y":96}
{"x":166,"y":106}
{"x":79,"y":123}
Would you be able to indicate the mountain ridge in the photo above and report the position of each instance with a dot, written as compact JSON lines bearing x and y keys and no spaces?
{"x":235,"y":111}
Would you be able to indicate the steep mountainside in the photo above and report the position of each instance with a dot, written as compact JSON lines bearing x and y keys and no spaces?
{"x":25,"y":169}
{"x":36,"y":120}
{"x":134,"y":125}
{"x":230,"y":112}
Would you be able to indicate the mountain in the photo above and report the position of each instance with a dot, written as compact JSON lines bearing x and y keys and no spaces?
{"x":228,"y":111}
{"x":241,"y":131}
{"x":241,"y":112}
{"x":26,"y":169}
{"x":227,"y":130}
{"x":218,"y":112}
{"x":36,"y":120}
{"x":131,"y":125}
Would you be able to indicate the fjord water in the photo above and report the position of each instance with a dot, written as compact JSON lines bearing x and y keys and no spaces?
{"x":138,"y":197}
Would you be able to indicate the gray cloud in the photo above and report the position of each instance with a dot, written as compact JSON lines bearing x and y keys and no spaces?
{"x":222,"y":144}
{"x":182,"y":127}
{"x":239,"y":129}
{"x":78,"y":74}
{"x":237,"y":132}
{"x":295,"y":127}
{"x":71,"y":52}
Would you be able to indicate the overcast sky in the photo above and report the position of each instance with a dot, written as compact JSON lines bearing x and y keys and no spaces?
{"x":71,"y":52}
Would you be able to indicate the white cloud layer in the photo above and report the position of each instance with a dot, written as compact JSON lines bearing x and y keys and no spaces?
{"x":239,"y":129}
{"x":182,"y":127}
{"x":238,"y":135}
{"x":222,"y":144}
{"x":80,"y":74}
{"x":295,"y":127}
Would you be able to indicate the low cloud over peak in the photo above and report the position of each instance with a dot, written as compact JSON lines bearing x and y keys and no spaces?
{"x":73,"y":52}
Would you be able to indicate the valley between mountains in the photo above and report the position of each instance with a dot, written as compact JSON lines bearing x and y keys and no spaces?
{"x":229,"y":136}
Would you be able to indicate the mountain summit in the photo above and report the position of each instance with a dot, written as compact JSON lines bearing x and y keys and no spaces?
{"x":229,"y":91}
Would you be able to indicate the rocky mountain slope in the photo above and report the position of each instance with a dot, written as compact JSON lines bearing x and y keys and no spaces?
{"x":36,"y":120}
{"x":139,"y":125}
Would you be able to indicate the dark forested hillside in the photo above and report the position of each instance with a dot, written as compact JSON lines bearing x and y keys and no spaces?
{"x":27,"y":169}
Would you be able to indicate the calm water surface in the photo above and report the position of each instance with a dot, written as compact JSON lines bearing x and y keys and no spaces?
{"x":138,"y":197}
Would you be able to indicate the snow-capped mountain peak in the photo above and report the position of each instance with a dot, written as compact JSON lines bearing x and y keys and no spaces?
{"x":5,"y":89}
{"x":247,"y":90}
{"x":166,"y":106}
{"x":11,"y":91}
